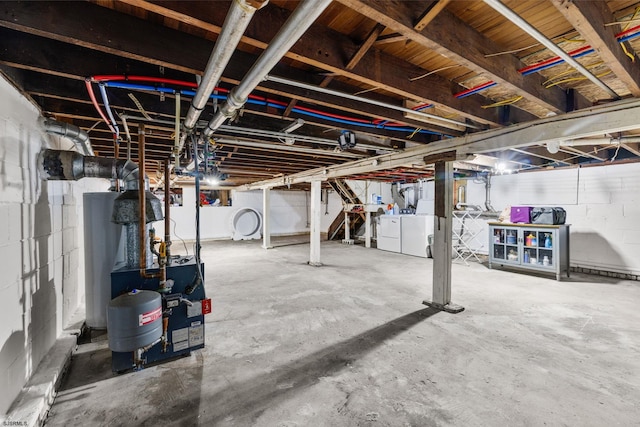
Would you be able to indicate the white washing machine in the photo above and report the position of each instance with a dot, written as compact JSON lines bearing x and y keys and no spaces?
{"x":415,"y":231}
{"x":389,"y":233}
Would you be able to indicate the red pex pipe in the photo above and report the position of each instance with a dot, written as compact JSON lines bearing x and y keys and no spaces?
{"x":92,"y":96}
{"x":630,"y":30}
{"x":554,"y":59}
{"x":575,"y":52}
{"x":120,"y":77}
{"x":474,"y":89}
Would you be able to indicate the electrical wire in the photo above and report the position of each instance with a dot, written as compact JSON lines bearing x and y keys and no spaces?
{"x":571,"y":71}
{"x":504,"y":102}
{"x":622,"y":36}
{"x":616,"y":153}
{"x":413,"y":79}
{"x":575,"y":79}
{"x":552,"y":62}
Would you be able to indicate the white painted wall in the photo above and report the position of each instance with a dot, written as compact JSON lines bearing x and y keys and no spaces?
{"x":41,"y":235}
{"x":365,"y":189}
{"x":289,"y":214}
{"x":602,"y":204}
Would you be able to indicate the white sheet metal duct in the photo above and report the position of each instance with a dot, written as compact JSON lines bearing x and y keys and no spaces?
{"x":299,"y":21}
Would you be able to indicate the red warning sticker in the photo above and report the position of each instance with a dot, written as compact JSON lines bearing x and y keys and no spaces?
{"x":206,"y":306}
{"x":150,"y":316}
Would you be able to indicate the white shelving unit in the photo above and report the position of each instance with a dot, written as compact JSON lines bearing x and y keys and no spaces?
{"x":543,"y":248}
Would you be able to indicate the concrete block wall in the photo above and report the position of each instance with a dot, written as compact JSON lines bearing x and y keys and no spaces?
{"x":41,"y":234}
{"x":602,"y":208}
{"x":289,"y":214}
{"x":366,"y":189}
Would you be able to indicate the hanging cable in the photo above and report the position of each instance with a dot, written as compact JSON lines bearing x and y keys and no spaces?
{"x":504,"y":102}
{"x":575,"y":79}
{"x":571,"y":71}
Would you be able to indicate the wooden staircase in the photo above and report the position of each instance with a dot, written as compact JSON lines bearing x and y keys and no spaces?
{"x":336,"y":229}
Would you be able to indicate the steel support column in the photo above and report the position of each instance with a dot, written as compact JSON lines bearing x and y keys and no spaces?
{"x":367,"y":229}
{"x":316,"y":217}
{"x":266,"y":218}
{"x":442,"y":248}
{"x":347,"y":230}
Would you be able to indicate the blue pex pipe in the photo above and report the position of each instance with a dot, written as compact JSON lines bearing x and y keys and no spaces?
{"x":138,"y":87}
{"x":132,"y":86}
{"x":105,"y":100}
{"x":559,"y":61}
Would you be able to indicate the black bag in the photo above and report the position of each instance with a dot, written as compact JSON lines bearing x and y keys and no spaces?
{"x":549,"y":216}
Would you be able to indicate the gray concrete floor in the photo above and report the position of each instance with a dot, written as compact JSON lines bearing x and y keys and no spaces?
{"x":350,"y":344}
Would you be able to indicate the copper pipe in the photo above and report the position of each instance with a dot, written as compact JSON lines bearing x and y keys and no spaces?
{"x":142,"y":203}
{"x":165,"y":327}
{"x":116,"y":154}
{"x":167,"y":209}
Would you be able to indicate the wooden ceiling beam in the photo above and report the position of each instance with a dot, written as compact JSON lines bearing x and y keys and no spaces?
{"x":582,"y":153}
{"x":391,"y":38}
{"x":242,"y":155}
{"x":589,"y":19}
{"x":543,"y":153}
{"x":430,"y":14}
{"x":632,"y":147}
{"x":32,"y":53}
{"x":452,"y":38}
{"x":614,"y":117}
{"x":355,"y":59}
{"x":319,"y":47}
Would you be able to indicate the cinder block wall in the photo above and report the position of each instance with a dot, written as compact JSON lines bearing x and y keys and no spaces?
{"x":602,"y":204}
{"x":289,"y":213}
{"x":41,"y":235}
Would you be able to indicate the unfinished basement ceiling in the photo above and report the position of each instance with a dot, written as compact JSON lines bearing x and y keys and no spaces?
{"x":462,"y":64}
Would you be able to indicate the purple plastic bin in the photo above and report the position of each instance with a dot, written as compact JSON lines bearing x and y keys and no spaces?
{"x":521,"y":214}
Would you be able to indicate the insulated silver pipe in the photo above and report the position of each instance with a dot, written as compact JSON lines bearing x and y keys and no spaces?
{"x":299,"y":21}
{"x":430,"y":117}
{"x":528,"y":28}
{"x":234,"y":26}
{"x":56,"y":165}
{"x":79,"y":137}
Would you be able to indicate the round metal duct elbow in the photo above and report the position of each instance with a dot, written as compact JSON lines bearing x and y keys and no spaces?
{"x":79,"y":137}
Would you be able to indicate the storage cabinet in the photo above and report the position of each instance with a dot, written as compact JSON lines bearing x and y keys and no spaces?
{"x":543,"y":248}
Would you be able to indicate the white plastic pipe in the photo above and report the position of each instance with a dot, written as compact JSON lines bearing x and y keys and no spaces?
{"x":431,"y":117}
